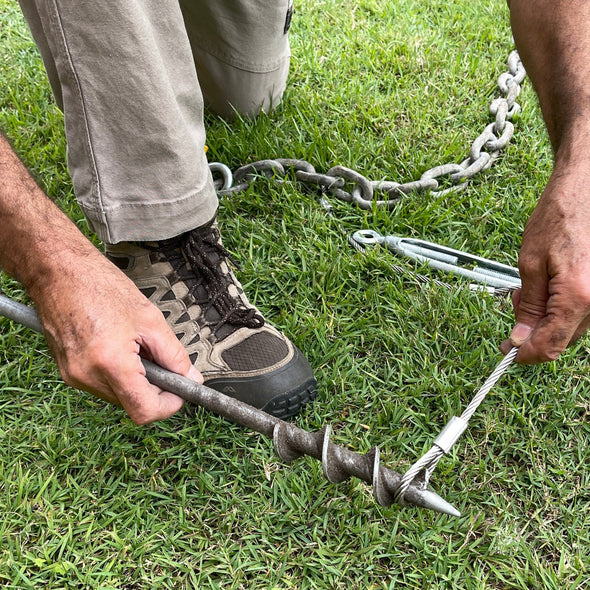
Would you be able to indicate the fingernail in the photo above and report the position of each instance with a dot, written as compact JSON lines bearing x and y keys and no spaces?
{"x":519,"y":334}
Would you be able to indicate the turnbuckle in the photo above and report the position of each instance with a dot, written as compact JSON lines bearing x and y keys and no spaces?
{"x":492,"y":275}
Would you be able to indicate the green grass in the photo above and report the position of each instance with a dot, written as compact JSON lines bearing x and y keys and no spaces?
{"x":390,"y":88}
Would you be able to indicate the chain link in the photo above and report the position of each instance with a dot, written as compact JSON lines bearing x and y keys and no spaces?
{"x":352,"y":187}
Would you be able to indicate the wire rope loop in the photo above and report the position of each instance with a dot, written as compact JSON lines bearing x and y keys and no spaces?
{"x":418,"y":474}
{"x":443,"y":443}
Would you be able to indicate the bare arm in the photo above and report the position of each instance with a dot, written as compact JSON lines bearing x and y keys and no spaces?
{"x":553,"y":307}
{"x":96,"y":321}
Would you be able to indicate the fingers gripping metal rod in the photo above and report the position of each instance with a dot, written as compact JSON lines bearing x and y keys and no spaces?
{"x":290,"y":441}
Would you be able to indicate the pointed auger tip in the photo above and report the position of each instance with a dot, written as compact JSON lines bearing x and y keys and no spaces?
{"x":434,"y":502}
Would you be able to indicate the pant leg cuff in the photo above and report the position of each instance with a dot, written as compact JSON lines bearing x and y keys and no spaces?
{"x":153,"y":221}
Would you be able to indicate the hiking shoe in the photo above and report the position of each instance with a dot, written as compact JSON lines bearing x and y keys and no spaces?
{"x":238,"y":353}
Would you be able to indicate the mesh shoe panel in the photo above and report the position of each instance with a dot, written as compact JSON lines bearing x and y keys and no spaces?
{"x":256,"y":352}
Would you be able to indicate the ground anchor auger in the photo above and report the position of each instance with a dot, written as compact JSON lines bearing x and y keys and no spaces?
{"x":290,"y":441}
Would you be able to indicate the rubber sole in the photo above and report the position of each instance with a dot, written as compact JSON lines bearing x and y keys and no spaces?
{"x":289,"y":404}
{"x":281,"y":393}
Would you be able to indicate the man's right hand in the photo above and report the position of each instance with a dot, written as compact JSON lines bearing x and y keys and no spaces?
{"x":98,"y":326}
{"x":97,"y":323}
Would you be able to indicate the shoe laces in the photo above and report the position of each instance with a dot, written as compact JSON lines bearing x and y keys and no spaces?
{"x":197,"y":258}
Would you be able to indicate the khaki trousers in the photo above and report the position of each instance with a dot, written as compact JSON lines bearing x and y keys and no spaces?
{"x":132,"y":78}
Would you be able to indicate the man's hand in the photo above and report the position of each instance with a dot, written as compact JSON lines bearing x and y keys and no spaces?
{"x":96,"y":321}
{"x":98,"y":325}
{"x":553,"y":308}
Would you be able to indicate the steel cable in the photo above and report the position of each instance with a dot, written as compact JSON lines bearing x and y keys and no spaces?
{"x":419,"y":473}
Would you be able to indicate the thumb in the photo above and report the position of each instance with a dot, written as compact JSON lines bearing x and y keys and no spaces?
{"x":163,"y":347}
{"x":530,"y":306}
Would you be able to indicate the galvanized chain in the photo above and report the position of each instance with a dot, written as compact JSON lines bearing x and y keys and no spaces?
{"x":351,"y":186}
{"x":484,"y":150}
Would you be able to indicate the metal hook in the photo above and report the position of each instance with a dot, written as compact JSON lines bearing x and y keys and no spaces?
{"x":226,"y":175}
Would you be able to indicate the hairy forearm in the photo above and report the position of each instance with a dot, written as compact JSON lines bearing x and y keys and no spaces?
{"x":95,"y":320}
{"x":553,"y":39}
{"x":37,"y":239}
